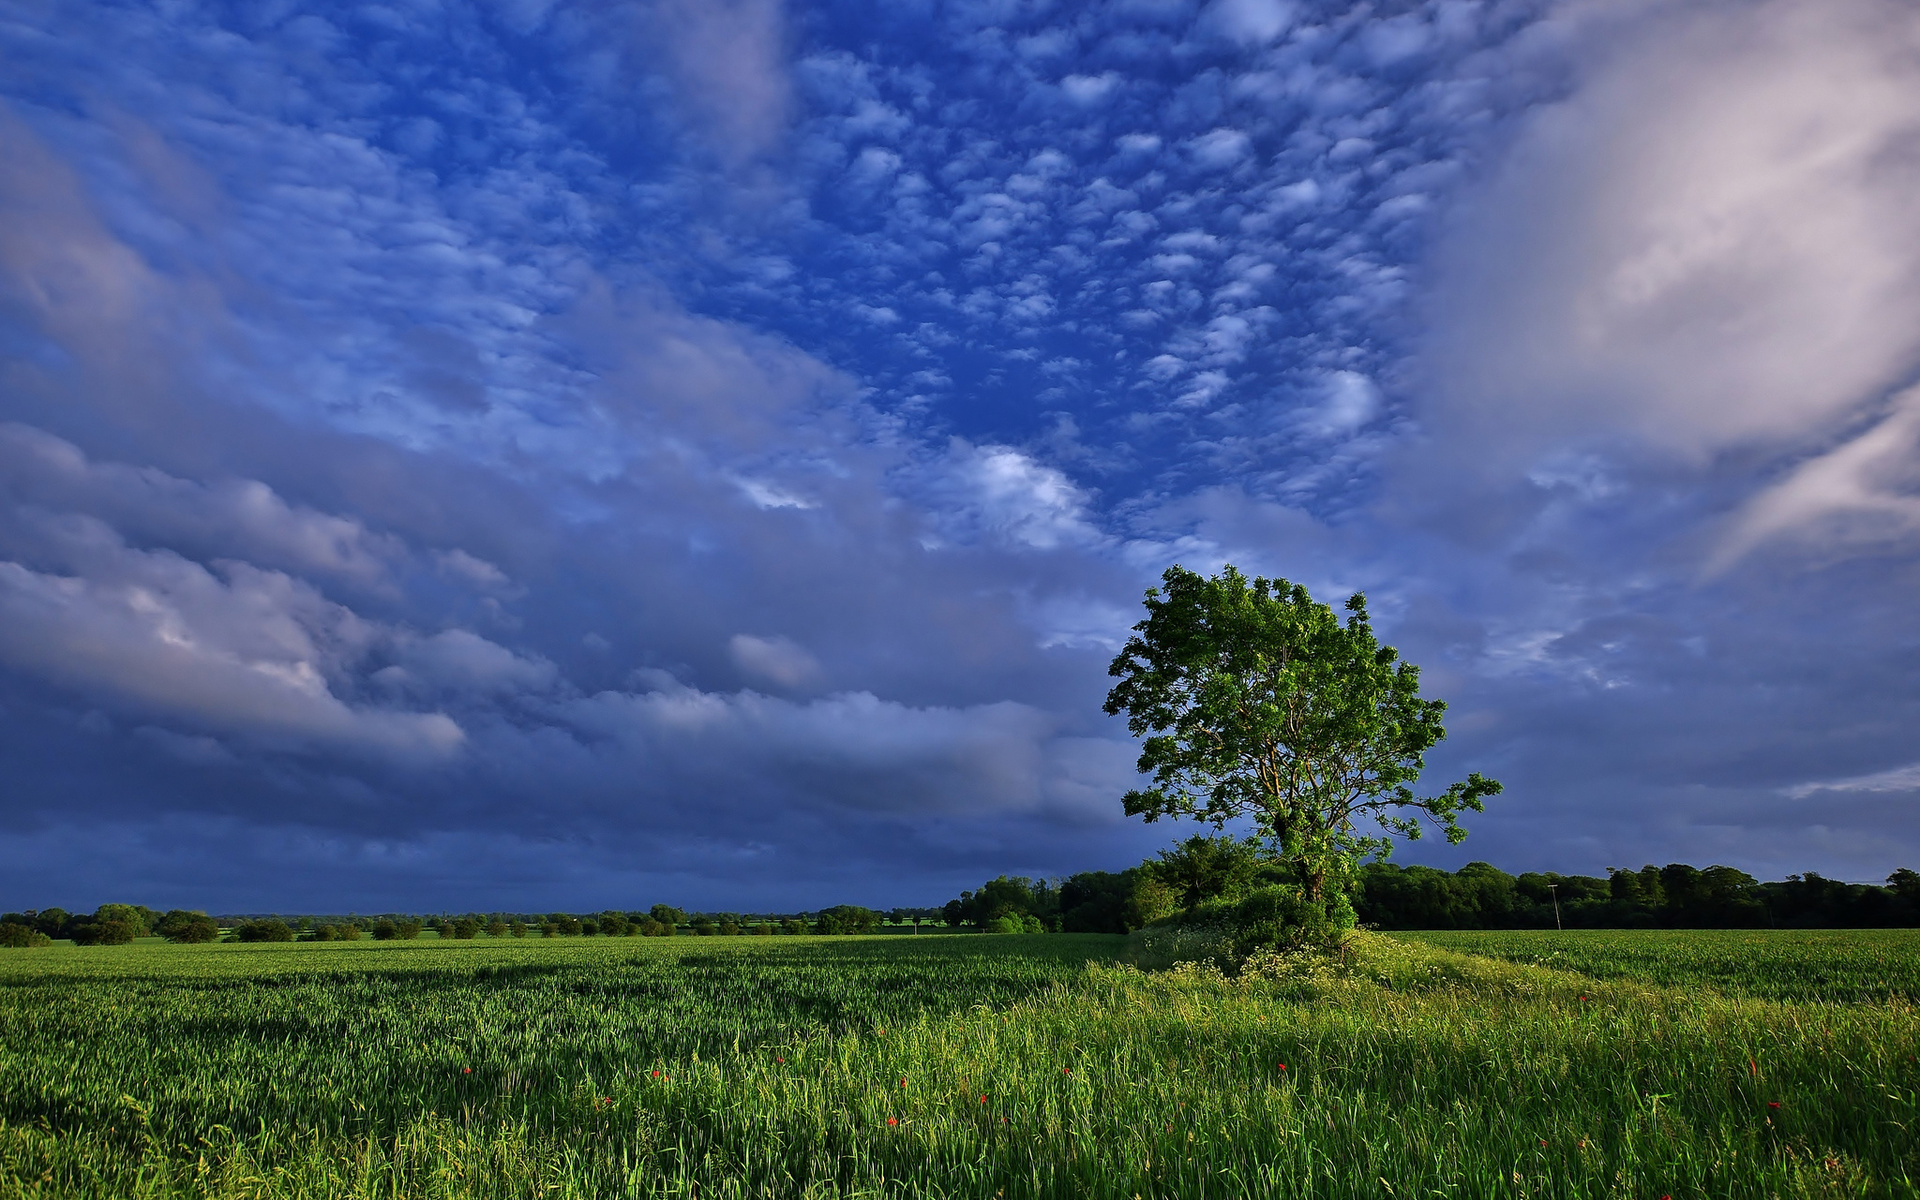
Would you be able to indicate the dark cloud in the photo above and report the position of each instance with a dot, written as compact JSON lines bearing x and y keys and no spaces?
{"x":550,"y":455}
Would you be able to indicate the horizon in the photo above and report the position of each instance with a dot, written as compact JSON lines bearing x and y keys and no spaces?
{"x":549,"y":453}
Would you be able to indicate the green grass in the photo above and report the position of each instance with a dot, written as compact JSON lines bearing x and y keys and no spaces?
{"x":529,"y":1069}
{"x":1778,"y":964}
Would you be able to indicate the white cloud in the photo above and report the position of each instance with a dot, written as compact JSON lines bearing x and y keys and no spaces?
{"x":1712,"y":244}
{"x":729,"y":59}
{"x":1220,"y":148}
{"x":247,"y":652}
{"x":1090,"y":89}
{"x":998,"y":491}
{"x":1898,"y":779}
{"x":1252,"y":22}
{"x":779,"y":660}
{"x":1863,"y":493}
{"x":241,"y":516}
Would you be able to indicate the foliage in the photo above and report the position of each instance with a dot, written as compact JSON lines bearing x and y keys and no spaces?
{"x":846,"y":918}
{"x":1479,"y":896}
{"x":1256,"y":702}
{"x":444,"y":1069}
{"x":270,"y":930}
{"x":100,"y":933}
{"x":15,"y":935}
{"x":1276,"y":919}
{"x":188,"y":927}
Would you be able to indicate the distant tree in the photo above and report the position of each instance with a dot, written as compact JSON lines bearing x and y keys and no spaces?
{"x":517,"y":928}
{"x":1255,"y":701}
{"x":52,"y":921}
{"x":19,"y":936}
{"x":271,"y":930}
{"x":137,"y":917}
{"x":793,"y":925}
{"x":589,"y":928}
{"x":667,"y":914}
{"x":463,"y":928}
{"x":91,"y":932}
{"x":182,"y":925}
{"x":386,"y":929}
{"x":846,"y":918}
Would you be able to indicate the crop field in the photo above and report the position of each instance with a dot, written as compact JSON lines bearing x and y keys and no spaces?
{"x":957,"y":1066}
{"x":1777,"y":964}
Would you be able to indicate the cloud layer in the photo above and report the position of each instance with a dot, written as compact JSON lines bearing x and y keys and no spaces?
{"x":541,"y":454}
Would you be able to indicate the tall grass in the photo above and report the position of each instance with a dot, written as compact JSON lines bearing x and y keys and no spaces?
{"x":963,"y":1067}
{"x":1782,"y":964}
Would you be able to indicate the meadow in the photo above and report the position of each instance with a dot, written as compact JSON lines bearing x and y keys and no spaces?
{"x":1636,"y":1065}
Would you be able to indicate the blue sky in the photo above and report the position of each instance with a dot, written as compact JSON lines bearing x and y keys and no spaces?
{"x":532,"y":455}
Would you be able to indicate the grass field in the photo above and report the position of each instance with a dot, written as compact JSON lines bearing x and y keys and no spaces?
{"x":1016,"y":1066}
{"x":1778,"y":964}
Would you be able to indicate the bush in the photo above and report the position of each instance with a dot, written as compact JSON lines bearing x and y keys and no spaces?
{"x":500,"y":929}
{"x":18,"y":936}
{"x":465,"y":928}
{"x":102,"y":933}
{"x":263,"y":931}
{"x":190,"y":926}
{"x":794,"y":925}
{"x":1275,"y":919}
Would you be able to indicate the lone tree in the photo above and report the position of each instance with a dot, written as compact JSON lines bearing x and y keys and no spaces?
{"x":1257,"y":702}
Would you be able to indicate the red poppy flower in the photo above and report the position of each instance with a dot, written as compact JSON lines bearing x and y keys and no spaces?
{"x":893,"y":1120}
{"x":1283,"y":1066}
{"x":1773,"y":1104}
{"x":1543,"y":1141}
{"x":466,"y":1070}
{"x":656,"y":1074}
{"x":983,"y":1099}
{"x":903,"y":1083}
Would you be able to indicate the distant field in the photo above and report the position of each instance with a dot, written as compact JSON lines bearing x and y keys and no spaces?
{"x":954,"y":1067}
{"x":1779,"y":964}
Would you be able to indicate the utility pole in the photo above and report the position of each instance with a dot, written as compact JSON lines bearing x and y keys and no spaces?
{"x":1553,"y":889}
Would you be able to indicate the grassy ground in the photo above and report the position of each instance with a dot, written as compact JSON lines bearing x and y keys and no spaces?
{"x":953,"y":1067}
{"x":1779,"y":964}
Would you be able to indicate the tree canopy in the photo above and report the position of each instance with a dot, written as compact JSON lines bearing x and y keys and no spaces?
{"x":1256,"y":701}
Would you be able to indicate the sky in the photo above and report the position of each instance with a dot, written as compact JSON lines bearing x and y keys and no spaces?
{"x":523,"y":454}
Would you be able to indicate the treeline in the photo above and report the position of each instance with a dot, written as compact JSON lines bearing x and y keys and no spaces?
{"x":118,"y":924}
{"x":1676,"y":896}
{"x":1477,"y":896}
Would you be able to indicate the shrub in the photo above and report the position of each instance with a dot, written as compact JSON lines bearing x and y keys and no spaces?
{"x":18,"y":936}
{"x":465,"y":928}
{"x":263,"y":931}
{"x":1276,"y":919}
{"x":499,"y":929}
{"x":1006,"y":924}
{"x":191,"y":926}
{"x":102,"y":933}
{"x":794,"y":925}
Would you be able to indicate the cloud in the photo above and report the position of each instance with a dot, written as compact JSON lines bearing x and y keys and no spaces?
{"x":245,"y":652}
{"x":1862,"y":494}
{"x":728,"y":60}
{"x":241,"y":517}
{"x":1898,"y":779}
{"x":1710,"y":245}
{"x":778,"y":660}
{"x":999,"y":492}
